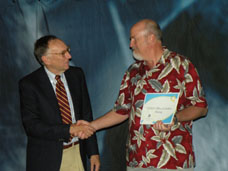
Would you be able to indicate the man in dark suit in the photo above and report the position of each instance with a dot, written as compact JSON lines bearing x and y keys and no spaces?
{"x":55,"y":142}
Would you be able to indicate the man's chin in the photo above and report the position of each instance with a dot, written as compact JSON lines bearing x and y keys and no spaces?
{"x":67,"y":67}
{"x":137,"y":57}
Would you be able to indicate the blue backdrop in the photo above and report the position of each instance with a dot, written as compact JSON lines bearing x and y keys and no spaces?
{"x":98,"y":33}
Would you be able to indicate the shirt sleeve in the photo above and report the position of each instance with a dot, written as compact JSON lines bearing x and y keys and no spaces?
{"x":123,"y":103}
{"x":193,"y":88}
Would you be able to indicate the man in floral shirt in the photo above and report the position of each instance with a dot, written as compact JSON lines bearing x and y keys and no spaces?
{"x":157,"y":70}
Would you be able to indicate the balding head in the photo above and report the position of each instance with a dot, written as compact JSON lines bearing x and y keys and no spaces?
{"x":146,"y":41}
{"x":150,"y":27}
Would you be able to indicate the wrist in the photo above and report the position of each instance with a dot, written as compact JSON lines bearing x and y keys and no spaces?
{"x":93,"y":125}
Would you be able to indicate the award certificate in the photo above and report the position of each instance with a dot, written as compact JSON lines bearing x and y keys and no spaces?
{"x":159,"y":106}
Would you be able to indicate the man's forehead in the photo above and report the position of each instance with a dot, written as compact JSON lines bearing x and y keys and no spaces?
{"x":56,"y":43}
{"x":137,"y":33}
{"x":138,"y":28}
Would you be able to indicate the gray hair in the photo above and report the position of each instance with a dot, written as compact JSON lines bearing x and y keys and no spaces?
{"x":41,"y":46}
{"x":152,"y":27}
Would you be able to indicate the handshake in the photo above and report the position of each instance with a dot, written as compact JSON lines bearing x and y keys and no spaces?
{"x":82,"y":129}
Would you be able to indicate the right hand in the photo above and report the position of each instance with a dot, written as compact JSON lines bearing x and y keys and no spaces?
{"x":83,"y":131}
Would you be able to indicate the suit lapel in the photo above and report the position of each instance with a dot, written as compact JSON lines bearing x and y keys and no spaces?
{"x":48,"y":91}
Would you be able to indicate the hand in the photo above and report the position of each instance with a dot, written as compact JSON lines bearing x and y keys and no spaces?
{"x":95,"y":162}
{"x":82,"y":122}
{"x":159,"y":125}
{"x":82,"y":131}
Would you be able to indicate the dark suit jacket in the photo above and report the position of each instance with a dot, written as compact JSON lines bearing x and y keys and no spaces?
{"x":42,"y":120}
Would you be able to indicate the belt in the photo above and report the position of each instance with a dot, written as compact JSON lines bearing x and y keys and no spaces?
{"x":70,"y":145}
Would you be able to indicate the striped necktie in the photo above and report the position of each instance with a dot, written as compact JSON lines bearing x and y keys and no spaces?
{"x":63,"y":101}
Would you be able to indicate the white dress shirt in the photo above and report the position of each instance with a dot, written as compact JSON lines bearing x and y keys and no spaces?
{"x":53,"y":81}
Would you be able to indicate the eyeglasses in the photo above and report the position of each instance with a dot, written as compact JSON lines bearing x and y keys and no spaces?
{"x":63,"y":53}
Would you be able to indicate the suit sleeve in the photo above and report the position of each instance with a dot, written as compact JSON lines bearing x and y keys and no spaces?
{"x":91,"y":143}
{"x":35,"y":115}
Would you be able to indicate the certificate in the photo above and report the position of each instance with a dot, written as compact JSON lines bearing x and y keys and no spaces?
{"x":159,"y":106}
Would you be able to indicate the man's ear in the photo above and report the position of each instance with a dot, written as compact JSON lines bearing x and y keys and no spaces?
{"x":45,"y":60}
{"x":152,"y":37}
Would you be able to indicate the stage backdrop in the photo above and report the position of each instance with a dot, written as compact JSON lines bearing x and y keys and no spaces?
{"x":98,"y":33}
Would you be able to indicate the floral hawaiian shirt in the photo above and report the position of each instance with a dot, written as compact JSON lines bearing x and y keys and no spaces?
{"x":147,"y":147}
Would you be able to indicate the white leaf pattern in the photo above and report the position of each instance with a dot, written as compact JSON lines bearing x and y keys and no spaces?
{"x":185,"y":165}
{"x":167,"y":135}
{"x":195,"y":98}
{"x":150,"y":72}
{"x":165,"y":55}
{"x":177,"y":139}
{"x":180,"y":148}
{"x":121,"y":99}
{"x":139,"y":136}
{"x":182,"y":128}
{"x":133,"y":163}
{"x":166,"y":87}
{"x":156,"y":132}
{"x":188,"y":78}
{"x":169,"y":148}
{"x":132,"y":148}
{"x":139,"y":103}
{"x":145,"y":160}
{"x":138,"y":112}
{"x":180,"y":86}
{"x":191,"y":163}
{"x":165,"y":71}
{"x":176,"y":63}
{"x":162,"y":135}
{"x":159,"y":144}
{"x":135,"y":79}
{"x":124,"y":85}
{"x":155,"y":84}
{"x":176,"y":126}
{"x":132,"y":116}
{"x":139,"y":86}
{"x":149,"y":155}
{"x":185,"y":65}
{"x":164,"y":159}
{"x":200,"y":89}
{"x":188,"y":127}
{"x":156,"y":138}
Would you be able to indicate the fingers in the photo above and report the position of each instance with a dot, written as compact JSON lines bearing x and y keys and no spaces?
{"x":82,"y":129}
{"x":82,"y":122}
{"x":159,"y":125}
{"x":95,"y":163}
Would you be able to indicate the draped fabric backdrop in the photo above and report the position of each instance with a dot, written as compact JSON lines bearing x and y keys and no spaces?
{"x":98,"y":33}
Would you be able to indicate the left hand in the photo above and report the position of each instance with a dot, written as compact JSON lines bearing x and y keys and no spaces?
{"x":159,"y":125}
{"x":95,"y":163}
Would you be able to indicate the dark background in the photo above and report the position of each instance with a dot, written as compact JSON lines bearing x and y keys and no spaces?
{"x":98,"y":33}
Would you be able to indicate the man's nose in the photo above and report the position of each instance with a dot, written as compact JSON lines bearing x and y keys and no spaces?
{"x":68,"y":55}
{"x":131,"y":46}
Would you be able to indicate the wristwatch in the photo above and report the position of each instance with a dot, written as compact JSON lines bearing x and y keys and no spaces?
{"x":175,"y":120}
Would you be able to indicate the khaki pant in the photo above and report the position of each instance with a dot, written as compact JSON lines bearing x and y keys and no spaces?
{"x":150,"y":169}
{"x":71,"y":160}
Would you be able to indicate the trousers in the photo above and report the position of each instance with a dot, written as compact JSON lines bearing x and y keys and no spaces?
{"x":71,"y":160}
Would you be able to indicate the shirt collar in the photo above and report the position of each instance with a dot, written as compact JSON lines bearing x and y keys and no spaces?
{"x":51,"y":75}
{"x":162,"y":60}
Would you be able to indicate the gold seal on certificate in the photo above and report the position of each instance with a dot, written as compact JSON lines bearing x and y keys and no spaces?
{"x":159,"y":106}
